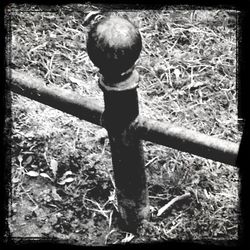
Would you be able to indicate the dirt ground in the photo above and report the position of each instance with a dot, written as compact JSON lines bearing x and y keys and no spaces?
{"x":62,"y":186}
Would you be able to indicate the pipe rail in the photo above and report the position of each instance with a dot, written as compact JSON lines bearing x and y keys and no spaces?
{"x":113,"y":45}
{"x":91,"y":110}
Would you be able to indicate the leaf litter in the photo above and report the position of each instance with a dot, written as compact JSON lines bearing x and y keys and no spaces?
{"x":186,"y":66}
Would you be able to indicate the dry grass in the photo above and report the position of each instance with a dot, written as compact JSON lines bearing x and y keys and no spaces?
{"x":188,"y":77}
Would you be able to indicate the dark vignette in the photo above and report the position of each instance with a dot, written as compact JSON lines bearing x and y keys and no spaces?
{"x":242,"y":73}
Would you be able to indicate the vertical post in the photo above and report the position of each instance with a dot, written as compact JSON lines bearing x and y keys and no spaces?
{"x":113,"y":45}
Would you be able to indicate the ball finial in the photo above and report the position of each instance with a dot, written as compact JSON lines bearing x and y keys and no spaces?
{"x":113,"y":45}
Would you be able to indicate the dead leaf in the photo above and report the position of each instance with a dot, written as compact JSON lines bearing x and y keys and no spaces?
{"x":32,"y":173}
{"x":66,"y":174}
{"x":67,"y":180}
{"x":28,"y":160}
{"x":46,"y":176}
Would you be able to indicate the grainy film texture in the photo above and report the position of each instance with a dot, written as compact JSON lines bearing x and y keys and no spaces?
{"x":61,"y":168}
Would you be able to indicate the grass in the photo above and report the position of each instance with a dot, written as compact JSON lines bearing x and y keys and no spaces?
{"x":187,"y":77}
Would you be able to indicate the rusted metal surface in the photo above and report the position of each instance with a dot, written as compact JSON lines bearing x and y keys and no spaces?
{"x":85,"y":108}
{"x":127,"y":158}
{"x":113,"y":46}
{"x":91,"y":110}
{"x":187,"y":140}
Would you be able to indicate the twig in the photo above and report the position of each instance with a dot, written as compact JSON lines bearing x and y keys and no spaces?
{"x":110,"y":218}
{"x":171,"y":229}
{"x":25,"y":191}
{"x":112,"y":180}
{"x":100,"y":210}
{"x":151,"y":161}
{"x":106,"y":237}
{"x":156,"y":197}
{"x":169,"y":204}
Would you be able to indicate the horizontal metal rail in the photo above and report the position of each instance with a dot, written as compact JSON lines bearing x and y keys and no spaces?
{"x":91,"y":109}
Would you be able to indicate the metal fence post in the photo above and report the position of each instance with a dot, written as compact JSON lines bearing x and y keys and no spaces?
{"x":113,"y":45}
